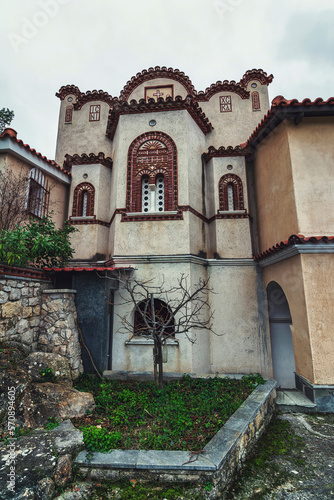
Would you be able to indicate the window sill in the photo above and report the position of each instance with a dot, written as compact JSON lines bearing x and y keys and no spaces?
{"x":88,"y":217}
{"x":135,"y":214}
{"x":143,"y":341}
{"x":231,"y":212}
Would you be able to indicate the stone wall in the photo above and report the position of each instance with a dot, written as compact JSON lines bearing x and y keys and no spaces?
{"x":59,"y":332}
{"x":20,"y":305}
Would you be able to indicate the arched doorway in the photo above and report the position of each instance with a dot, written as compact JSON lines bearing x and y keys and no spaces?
{"x":281,"y":338}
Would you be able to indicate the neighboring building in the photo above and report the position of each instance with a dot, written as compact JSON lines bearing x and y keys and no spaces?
{"x":214,"y":184}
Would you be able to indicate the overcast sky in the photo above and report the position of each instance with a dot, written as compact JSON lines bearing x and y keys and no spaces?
{"x":100,"y":44}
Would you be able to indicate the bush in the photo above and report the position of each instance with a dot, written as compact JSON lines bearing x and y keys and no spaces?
{"x":37,"y":243}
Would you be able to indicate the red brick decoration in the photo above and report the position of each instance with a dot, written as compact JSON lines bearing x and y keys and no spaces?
{"x":256,"y":101}
{"x":68,"y":114}
{"x":78,"y":197}
{"x":225,"y":102}
{"x":94,"y":112}
{"x":85,"y":159}
{"x":224,"y":86}
{"x":237,"y":192}
{"x":151,"y":154}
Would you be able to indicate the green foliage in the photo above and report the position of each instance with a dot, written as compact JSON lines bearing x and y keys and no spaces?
{"x":138,"y":415}
{"x":100,"y":439}
{"x":52,"y":423}
{"x":47,"y":375}
{"x":133,"y":490}
{"x":36,"y":243}
{"x":6,"y":116}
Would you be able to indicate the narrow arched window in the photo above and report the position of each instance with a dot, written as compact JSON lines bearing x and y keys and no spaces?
{"x":159,"y":193}
{"x":83,"y":200}
{"x":231,"y":196}
{"x":152,"y":167}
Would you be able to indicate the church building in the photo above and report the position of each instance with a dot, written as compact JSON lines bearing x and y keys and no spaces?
{"x":165,"y":181}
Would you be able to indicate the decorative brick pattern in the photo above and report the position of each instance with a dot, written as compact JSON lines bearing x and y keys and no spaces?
{"x":225,"y":102}
{"x":223,"y":152}
{"x":151,"y":154}
{"x":236,"y":182}
{"x":256,"y":74}
{"x":256,"y":106}
{"x":68,"y":114}
{"x":224,"y":86}
{"x":84,"y":187}
{"x":94,"y":113}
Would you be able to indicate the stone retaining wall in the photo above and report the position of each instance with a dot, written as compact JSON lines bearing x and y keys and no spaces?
{"x":20,"y":305}
{"x":222,"y":456}
{"x":59,"y":328}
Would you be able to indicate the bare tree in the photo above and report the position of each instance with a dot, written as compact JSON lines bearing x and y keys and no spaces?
{"x":161,"y":313}
{"x":13,"y":195}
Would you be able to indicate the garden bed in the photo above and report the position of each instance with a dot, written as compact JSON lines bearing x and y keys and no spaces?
{"x":184,"y":416}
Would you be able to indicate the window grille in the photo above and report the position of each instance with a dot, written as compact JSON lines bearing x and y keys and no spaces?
{"x":230,"y":196}
{"x":38,"y":194}
{"x":146,"y":198}
{"x":159,"y":194}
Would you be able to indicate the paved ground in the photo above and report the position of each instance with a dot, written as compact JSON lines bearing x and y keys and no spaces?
{"x":304,"y":471}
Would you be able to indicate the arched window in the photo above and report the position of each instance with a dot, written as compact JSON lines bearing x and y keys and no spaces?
{"x":83,"y":200}
{"x":152,"y":174}
{"x":256,"y":101}
{"x":163,"y":318}
{"x":230,"y":193}
{"x":38,"y":194}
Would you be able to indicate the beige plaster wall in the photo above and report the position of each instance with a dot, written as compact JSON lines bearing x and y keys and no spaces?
{"x":274,"y":190}
{"x":233,"y":238}
{"x":242,"y":343}
{"x":58,"y":190}
{"x":289,"y":274}
{"x":311,"y":146}
{"x":139,"y":357}
{"x":90,"y":242}
{"x":318,"y":275}
{"x":82,"y":136}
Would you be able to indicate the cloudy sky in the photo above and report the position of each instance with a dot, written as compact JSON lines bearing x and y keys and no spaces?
{"x":100,"y":44}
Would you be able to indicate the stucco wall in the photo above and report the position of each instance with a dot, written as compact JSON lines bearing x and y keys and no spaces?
{"x":312,"y":155}
{"x":274,"y":190}
{"x":318,"y":276}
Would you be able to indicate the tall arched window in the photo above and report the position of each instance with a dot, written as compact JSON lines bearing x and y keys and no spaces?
{"x":152,"y":174}
{"x":38,"y":193}
{"x":83,"y":200}
{"x":230,"y":193}
{"x":163,"y":317}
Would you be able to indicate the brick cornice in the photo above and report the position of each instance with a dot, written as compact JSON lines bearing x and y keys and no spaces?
{"x":85,"y":159}
{"x":123,"y":108}
{"x":66,"y":90}
{"x":294,"y":239}
{"x":224,"y":86}
{"x":93,"y":95}
{"x":221,"y":152}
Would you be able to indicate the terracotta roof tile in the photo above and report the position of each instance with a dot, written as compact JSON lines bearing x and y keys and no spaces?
{"x":12,"y":134}
{"x":294,"y":239}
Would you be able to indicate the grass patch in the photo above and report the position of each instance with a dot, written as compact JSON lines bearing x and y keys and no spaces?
{"x":137,"y":415}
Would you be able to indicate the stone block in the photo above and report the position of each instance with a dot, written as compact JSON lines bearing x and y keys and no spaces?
{"x":26,"y":312}
{"x":11,"y":309}
{"x":22,"y":326}
{"x":37,"y":310}
{"x":34,"y":301}
{"x":63,"y":474}
{"x":15,"y":294}
{"x":27,"y":337}
{"x":3,"y":297}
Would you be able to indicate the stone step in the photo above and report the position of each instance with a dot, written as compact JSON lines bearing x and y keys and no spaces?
{"x":293,"y":400}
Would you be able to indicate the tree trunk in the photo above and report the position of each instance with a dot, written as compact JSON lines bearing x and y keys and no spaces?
{"x":155,"y":365}
{"x":159,"y":360}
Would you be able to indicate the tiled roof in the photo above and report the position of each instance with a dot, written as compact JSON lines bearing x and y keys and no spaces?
{"x":224,"y":86}
{"x":12,"y":134}
{"x":189,"y":104}
{"x":294,"y":239}
{"x":256,"y":74}
{"x":282,"y":108}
